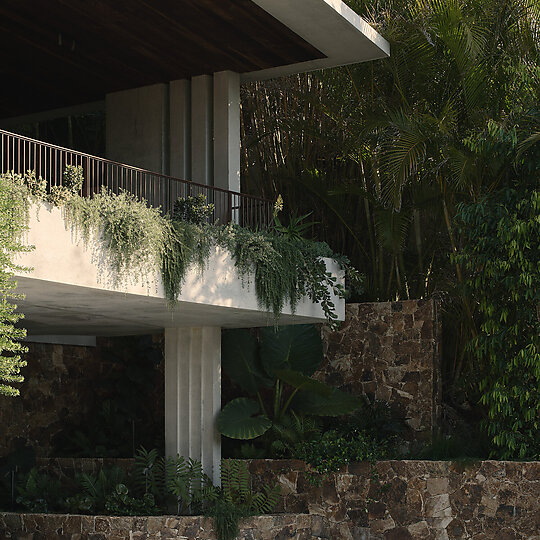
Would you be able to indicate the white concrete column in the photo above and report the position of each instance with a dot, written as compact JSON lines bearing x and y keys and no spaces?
{"x":227,"y":130}
{"x":193,"y":395}
{"x":202,"y":152}
{"x":180,"y":129}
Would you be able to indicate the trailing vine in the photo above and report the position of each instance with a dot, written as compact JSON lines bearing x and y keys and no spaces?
{"x":14,"y":206}
{"x":138,"y":239}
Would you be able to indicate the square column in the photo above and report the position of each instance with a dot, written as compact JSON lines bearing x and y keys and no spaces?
{"x":227,"y":130}
{"x":193,"y":395}
{"x":202,"y":147}
{"x":180,"y":129}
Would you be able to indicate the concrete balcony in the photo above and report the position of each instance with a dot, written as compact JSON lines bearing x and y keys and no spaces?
{"x":71,"y":290}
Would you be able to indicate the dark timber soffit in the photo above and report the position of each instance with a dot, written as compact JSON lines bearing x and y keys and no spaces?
{"x":58,"y":53}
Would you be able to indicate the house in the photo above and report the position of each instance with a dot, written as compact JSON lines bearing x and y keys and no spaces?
{"x":167,"y":75}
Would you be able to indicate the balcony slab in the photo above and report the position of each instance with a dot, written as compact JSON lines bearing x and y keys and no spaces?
{"x":71,"y":291}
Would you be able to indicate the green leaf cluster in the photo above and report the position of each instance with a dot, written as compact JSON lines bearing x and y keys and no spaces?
{"x":14,"y":204}
{"x":236,"y":499}
{"x":501,"y":254}
{"x":276,"y":371}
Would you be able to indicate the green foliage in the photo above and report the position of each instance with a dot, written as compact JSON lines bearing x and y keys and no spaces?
{"x":236,"y":500}
{"x":149,"y":489}
{"x":286,"y":268}
{"x":13,"y":222}
{"x":192,"y":209}
{"x":119,"y":503}
{"x":332,"y":450}
{"x":175,"y":480}
{"x":187,"y":483}
{"x":73,"y":178}
{"x":295,"y":229}
{"x":501,"y":255}
{"x":135,"y":236}
{"x":382,"y":152}
{"x":61,"y":195}
{"x":283,"y":360}
{"x":38,"y":492}
{"x":95,"y":489}
{"x":139,"y":240}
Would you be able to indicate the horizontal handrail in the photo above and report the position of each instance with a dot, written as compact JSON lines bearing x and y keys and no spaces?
{"x":20,"y":154}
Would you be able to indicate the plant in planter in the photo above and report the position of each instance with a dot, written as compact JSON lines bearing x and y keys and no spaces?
{"x":236,"y":500}
{"x":277,"y":370}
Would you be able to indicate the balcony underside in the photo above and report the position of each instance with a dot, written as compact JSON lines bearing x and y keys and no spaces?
{"x":70,"y":291}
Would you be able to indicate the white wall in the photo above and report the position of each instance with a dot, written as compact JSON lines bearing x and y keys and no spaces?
{"x":70,"y":290}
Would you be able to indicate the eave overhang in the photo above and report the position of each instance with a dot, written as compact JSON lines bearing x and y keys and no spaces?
{"x":58,"y":53}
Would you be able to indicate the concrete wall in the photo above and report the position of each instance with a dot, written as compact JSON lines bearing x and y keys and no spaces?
{"x":82,"y":296}
{"x":136,"y":127}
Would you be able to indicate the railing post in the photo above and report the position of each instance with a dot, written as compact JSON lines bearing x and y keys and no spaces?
{"x":229,"y":207}
{"x":87,"y":177}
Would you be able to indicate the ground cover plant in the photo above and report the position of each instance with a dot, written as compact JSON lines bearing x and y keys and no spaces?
{"x":154,"y":486}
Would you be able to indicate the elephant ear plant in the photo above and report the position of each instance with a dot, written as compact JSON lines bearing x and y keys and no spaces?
{"x":276,"y":373}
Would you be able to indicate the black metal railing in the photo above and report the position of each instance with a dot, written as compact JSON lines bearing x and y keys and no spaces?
{"x":21,"y":154}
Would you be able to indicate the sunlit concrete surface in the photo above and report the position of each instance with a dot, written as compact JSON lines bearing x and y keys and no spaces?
{"x":71,"y":290}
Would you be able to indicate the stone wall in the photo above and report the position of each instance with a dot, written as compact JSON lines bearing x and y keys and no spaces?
{"x":74,"y":527}
{"x":419,"y":500}
{"x":385,"y":351}
{"x":66,"y":384}
{"x":390,"y":352}
{"x":389,"y":500}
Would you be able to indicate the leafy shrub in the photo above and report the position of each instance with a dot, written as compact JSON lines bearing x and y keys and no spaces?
{"x":501,"y":255}
{"x":39,"y":492}
{"x":119,"y":503}
{"x":236,"y":500}
{"x":134,"y":234}
{"x":13,"y":222}
{"x":284,"y":360}
{"x":192,"y":209}
{"x":73,"y":178}
{"x":332,"y":450}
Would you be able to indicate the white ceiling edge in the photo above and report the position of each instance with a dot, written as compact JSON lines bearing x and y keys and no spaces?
{"x":330,"y":26}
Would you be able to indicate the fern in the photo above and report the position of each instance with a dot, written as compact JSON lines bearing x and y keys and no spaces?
{"x":237,"y":500}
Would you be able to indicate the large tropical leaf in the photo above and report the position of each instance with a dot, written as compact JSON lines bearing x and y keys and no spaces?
{"x":336,"y":403}
{"x":237,"y":420}
{"x":241,"y":362}
{"x":391,"y":229}
{"x":300,"y":381}
{"x":297,"y":348}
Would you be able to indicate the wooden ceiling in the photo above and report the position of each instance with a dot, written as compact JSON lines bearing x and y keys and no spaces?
{"x":57,"y":53}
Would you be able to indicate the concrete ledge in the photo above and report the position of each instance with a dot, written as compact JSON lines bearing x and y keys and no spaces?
{"x":71,"y":290}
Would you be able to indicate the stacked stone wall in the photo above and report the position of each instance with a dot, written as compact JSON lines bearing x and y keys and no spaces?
{"x":74,"y":527}
{"x":64,"y":384}
{"x":418,"y":500}
{"x":390,"y":352}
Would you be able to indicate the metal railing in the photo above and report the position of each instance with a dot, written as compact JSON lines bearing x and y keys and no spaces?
{"x":21,"y":154}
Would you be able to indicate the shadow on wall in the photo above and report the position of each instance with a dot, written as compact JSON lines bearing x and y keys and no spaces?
{"x":99,"y":401}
